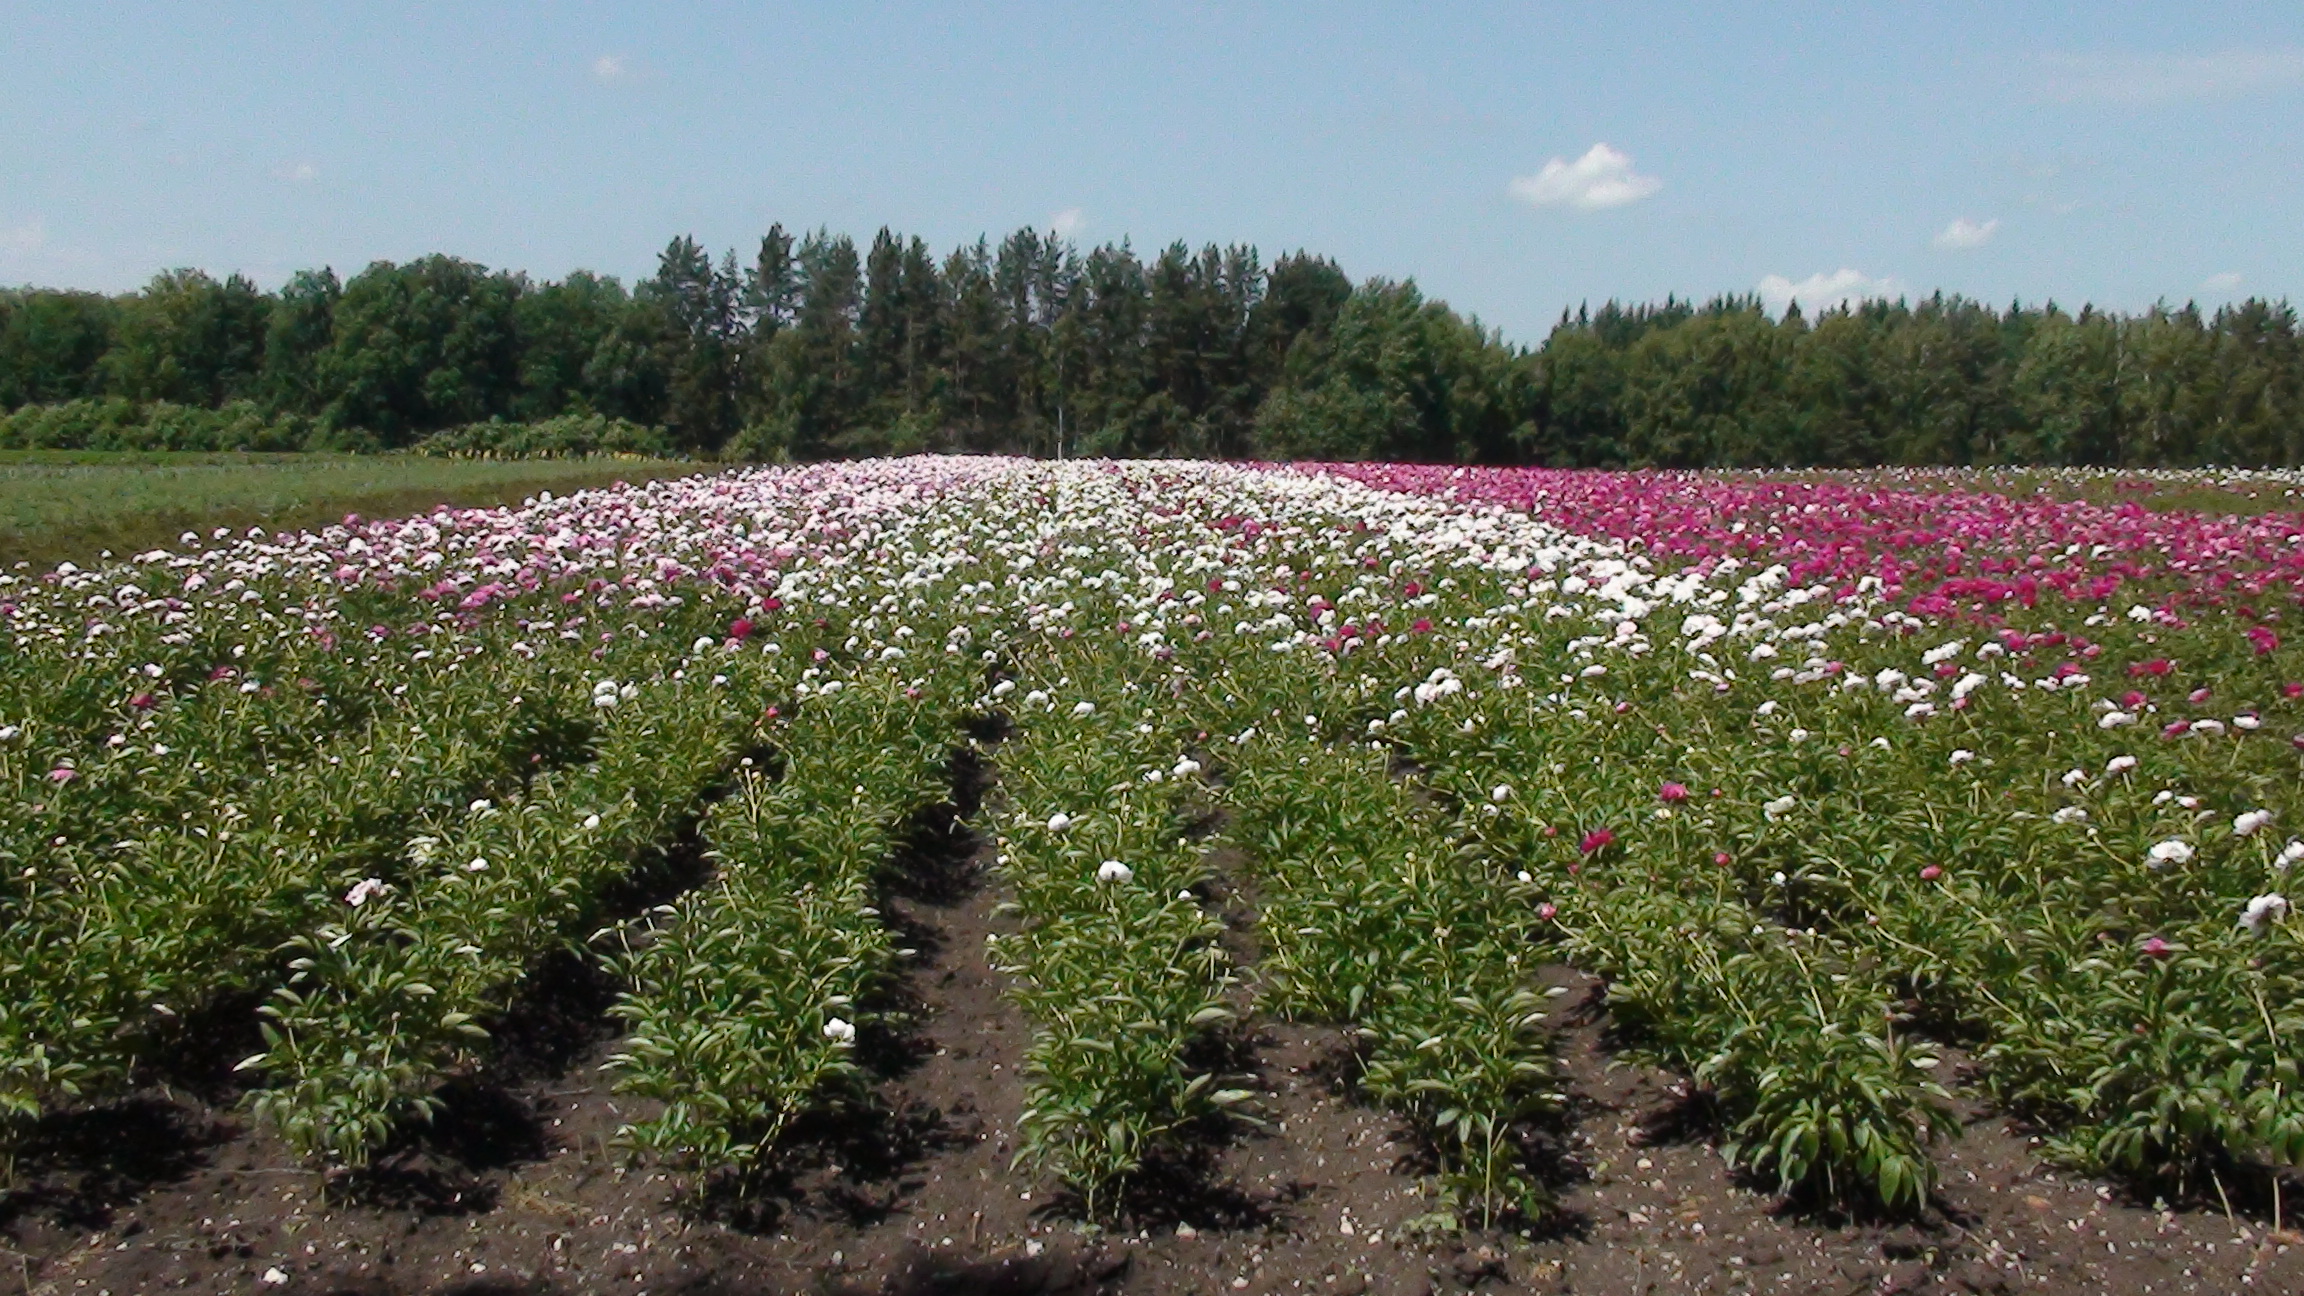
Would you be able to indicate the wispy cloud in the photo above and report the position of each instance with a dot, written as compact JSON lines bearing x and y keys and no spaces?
{"x":1069,"y":222}
{"x":610,"y":68}
{"x":28,"y":237}
{"x":1963,"y":234}
{"x":296,"y":172}
{"x":1602,"y":178}
{"x":1821,"y":291}
{"x":2164,"y":78}
{"x":2228,"y":281}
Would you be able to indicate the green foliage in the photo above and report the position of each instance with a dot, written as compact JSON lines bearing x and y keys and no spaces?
{"x":569,"y":436}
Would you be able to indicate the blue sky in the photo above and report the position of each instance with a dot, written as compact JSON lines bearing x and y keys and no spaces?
{"x":1513,"y":159}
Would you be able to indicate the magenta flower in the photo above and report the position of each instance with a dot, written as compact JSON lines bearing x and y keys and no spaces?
{"x":1596,"y":840}
{"x":2154,"y":947}
{"x":1672,"y":793}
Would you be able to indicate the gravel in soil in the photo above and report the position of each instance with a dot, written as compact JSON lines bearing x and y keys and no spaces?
{"x":518,"y":1189}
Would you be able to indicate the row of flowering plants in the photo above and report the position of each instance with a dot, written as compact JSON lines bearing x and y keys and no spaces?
{"x":744,"y":997}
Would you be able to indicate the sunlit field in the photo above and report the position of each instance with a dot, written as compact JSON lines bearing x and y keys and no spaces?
{"x":1854,"y":807}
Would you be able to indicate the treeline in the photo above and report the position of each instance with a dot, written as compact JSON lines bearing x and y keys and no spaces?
{"x":815,"y":347}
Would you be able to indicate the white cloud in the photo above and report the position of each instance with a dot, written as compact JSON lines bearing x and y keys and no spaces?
{"x":1069,"y":222}
{"x":2160,"y":78}
{"x":2225,"y":282}
{"x":1964,"y":233}
{"x":299,"y":172}
{"x":1822,"y":291}
{"x":610,"y":67}
{"x":1601,"y":178}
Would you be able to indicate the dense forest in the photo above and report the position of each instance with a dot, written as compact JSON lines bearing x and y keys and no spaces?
{"x":815,"y":347}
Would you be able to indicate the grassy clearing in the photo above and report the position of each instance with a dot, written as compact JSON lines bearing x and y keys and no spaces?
{"x":59,"y":505}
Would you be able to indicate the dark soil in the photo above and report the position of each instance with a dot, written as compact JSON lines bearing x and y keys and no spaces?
{"x":517,"y":1188}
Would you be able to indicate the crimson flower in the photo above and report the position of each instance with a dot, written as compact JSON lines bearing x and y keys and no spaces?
{"x":1672,"y":792}
{"x":1596,"y":840}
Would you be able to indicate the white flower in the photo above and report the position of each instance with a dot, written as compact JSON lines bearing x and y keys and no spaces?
{"x":839,"y":1030}
{"x":1500,"y":793}
{"x":2263,"y":911}
{"x":2290,"y":854}
{"x":2070,"y":815}
{"x":1777,"y":878}
{"x":1185,"y":767}
{"x":1114,"y":871}
{"x":2175,"y":850}
{"x":2246,"y":824}
{"x":591,"y":821}
{"x":1919,"y":710}
{"x":2074,"y":778}
{"x":482,"y":806}
{"x":1003,"y":688}
{"x":1798,"y":735}
{"x":2247,"y":722}
{"x":704,"y":643}
{"x":1780,"y":807}
{"x":2115,"y":719}
{"x":2119,"y":764}
{"x":1084,"y":709}
{"x":1961,"y":756}
{"x":1059,"y":821}
{"x":479,"y":864}
{"x":2208,"y":727}
{"x":365,"y":890}
{"x":8,"y":732}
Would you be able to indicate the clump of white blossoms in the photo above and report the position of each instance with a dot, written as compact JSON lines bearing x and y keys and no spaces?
{"x":1780,"y":807}
{"x":2262,"y":912}
{"x":840,"y":1030}
{"x":2175,"y":850}
{"x":1114,"y":871}
{"x":2245,"y":825}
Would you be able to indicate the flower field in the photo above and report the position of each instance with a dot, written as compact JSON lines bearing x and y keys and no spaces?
{"x":1864,"y":801}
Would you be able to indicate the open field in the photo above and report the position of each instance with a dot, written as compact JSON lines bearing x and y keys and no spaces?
{"x":67,"y":505}
{"x":978,"y":874}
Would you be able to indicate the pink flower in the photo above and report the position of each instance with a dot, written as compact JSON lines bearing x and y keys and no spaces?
{"x":740,"y":629}
{"x":2154,"y":947}
{"x":1931,"y":873}
{"x":2133,"y":699}
{"x":1672,"y":793}
{"x":2197,"y":696}
{"x":142,"y":702}
{"x":2266,"y":641}
{"x":1720,"y":858}
{"x":2176,"y":729}
{"x":63,"y":774}
{"x":1547,"y":911}
{"x":1596,"y":840}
